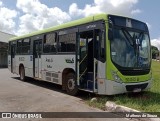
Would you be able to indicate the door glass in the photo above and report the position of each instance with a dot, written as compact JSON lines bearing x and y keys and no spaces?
{"x":38,"y":48}
{"x":86,"y":60}
{"x":37,"y":59}
{"x":13,"y":50}
{"x":83,"y":54}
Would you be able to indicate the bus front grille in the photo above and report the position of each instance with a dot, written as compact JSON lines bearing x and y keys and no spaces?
{"x":131,"y":88}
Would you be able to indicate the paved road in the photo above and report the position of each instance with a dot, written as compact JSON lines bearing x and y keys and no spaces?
{"x":38,"y":96}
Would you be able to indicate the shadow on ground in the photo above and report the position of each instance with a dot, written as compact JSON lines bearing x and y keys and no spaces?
{"x":55,"y":87}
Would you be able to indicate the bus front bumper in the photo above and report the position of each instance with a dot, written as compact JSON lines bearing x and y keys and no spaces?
{"x":112,"y":87}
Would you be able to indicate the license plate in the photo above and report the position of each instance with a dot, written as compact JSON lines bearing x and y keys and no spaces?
{"x":137,"y":90}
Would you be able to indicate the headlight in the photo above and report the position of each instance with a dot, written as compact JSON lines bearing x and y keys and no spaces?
{"x":116,"y":77}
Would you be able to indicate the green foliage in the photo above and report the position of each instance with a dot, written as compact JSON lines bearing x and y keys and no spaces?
{"x":155,"y":52}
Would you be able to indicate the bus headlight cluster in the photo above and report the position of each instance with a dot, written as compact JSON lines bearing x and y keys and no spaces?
{"x":116,"y":77}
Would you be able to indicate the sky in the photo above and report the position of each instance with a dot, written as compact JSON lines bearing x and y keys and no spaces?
{"x":24,"y":16}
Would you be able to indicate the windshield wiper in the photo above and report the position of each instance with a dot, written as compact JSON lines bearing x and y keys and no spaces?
{"x":140,"y":37}
{"x":128,"y":37}
{"x":132,"y":42}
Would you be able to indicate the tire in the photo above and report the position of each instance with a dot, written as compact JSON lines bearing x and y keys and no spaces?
{"x":22,"y":74}
{"x":71,"y":87}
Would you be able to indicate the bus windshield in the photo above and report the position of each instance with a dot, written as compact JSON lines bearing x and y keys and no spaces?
{"x":130,"y":49}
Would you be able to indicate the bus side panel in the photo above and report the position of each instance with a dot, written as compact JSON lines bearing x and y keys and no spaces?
{"x":29,"y":66}
{"x":101,"y":78}
{"x":27,"y":61}
{"x":53,"y":66}
{"x":13,"y":65}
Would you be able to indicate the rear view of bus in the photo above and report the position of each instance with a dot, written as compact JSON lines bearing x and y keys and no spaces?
{"x":128,"y":64}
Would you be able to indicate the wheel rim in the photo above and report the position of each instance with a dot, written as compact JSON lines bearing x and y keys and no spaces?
{"x":71,"y":84}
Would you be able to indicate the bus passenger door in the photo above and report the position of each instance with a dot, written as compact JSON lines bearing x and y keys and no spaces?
{"x":86,"y":60}
{"x":13,"y":64}
{"x":37,"y":58}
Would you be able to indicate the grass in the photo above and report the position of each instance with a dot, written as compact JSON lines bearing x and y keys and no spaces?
{"x":148,"y":101}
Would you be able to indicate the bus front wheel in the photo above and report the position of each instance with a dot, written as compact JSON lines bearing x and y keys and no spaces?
{"x":22,"y":73}
{"x":71,"y":87}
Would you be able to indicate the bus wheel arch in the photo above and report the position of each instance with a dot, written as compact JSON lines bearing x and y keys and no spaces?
{"x":22,"y":72}
{"x":69,"y":81}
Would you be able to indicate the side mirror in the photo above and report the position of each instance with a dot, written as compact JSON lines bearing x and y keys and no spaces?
{"x":110,"y":34}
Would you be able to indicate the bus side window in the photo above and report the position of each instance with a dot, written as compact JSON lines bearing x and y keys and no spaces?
{"x":99,"y":44}
{"x":46,"y":48}
{"x":50,"y":43}
{"x":67,"y":42}
{"x":26,"y":46}
{"x":19,"y":47}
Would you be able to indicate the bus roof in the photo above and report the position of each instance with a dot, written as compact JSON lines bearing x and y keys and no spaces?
{"x":65,"y":25}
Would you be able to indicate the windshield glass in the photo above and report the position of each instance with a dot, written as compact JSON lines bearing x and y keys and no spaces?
{"x":130,"y":49}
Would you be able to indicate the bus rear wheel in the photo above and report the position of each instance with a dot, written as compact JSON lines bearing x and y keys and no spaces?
{"x":22,"y":73}
{"x":71,"y":87}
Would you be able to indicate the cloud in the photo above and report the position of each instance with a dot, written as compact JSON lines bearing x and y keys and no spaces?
{"x":74,"y":10}
{"x":33,"y":15}
{"x":120,"y":7}
{"x":1,"y":3}
{"x":37,"y":16}
{"x":156,"y":43}
{"x":136,"y":11}
{"x":7,"y":16}
{"x":149,"y":25}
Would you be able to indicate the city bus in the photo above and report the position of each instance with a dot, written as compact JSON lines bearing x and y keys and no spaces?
{"x":102,"y":54}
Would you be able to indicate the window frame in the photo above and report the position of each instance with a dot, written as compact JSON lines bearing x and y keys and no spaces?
{"x":19,"y":48}
{"x":28,"y":45}
{"x":44,"y":42}
{"x":66,"y":32}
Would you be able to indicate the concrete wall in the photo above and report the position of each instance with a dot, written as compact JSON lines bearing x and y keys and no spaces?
{"x":3,"y":54}
{"x":4,"y":38}
{"x":3,"y":59}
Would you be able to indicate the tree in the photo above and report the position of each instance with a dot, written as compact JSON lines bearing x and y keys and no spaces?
{"x":155,"y":52}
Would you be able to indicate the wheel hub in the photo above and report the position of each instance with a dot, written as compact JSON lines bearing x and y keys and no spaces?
{"x":71,"y":84}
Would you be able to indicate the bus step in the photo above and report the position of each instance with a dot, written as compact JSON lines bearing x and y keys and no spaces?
{"x":87,"y":90}
{"x":90,"y":76}
{"x":90,"y":84}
